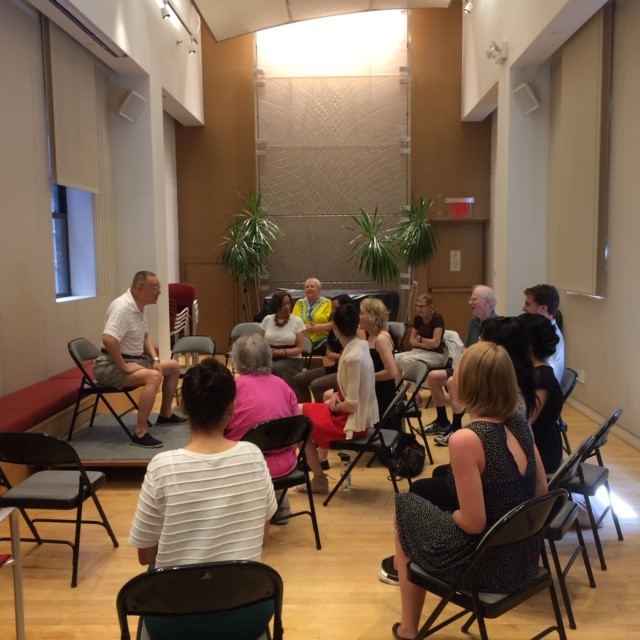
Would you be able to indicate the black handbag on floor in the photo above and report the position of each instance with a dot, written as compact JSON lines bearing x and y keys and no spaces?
{"x":408,"y":458}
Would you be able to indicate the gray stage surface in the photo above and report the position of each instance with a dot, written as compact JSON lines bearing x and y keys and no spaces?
{"x":106,"y":444}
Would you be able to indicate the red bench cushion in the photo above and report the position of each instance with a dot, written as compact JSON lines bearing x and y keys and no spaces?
{"x":25,"y":408}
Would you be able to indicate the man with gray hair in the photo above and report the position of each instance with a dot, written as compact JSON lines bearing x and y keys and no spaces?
{"x":482,"y":303}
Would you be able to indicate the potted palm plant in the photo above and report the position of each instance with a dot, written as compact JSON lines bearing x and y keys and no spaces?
{"x":373,"y":249}
{"x":248,"y":245}
{"x":416,"y":238}
{"x":416,"y":235}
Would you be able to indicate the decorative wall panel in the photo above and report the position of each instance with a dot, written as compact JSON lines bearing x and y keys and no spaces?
{"x":332,"y":137}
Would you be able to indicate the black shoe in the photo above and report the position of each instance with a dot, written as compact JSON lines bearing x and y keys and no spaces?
{"x":172,"y":419}
{"x":147,"y":441}
{"x":436,"y":428}
{"x":388,"y":573}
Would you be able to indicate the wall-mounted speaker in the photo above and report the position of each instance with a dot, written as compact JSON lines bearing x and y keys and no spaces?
{"x":131,"y":105}
{"x":525,"y":99}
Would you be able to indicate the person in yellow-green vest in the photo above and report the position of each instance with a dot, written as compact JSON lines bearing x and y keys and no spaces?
{"x":315,"y":311}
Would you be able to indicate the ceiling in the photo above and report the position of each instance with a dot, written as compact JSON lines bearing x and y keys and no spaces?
{"x":228,"y":18}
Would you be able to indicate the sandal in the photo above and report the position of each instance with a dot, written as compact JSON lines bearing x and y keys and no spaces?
{"x":319,"y":485}
{"x":394,"y":630}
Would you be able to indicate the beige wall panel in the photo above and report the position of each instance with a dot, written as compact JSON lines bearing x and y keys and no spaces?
{"x":448,"y":157}
{"x":217,"y":299}
{"x":575,"y":166}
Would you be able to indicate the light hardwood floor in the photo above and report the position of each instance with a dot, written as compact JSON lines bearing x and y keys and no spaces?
{"x":333,"y":593}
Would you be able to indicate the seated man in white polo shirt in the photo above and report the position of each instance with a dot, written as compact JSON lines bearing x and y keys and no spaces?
{"x":129,"y":357}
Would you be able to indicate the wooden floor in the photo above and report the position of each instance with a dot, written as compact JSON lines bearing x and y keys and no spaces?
{"x":333,"y":593}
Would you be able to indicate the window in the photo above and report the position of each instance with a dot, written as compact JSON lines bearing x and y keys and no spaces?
{"x":60,"y":240}
{"x":73,"y":241}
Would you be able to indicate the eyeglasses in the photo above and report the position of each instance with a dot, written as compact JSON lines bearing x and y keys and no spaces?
{"x":153,"y":287}
{"x":421,"y":306}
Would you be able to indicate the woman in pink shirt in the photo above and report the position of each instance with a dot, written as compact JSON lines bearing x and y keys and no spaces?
{"x":260,"y":396}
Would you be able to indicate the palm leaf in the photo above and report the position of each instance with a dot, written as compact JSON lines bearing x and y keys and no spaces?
{"x":374,"y":251}
{"x":416,"y":235}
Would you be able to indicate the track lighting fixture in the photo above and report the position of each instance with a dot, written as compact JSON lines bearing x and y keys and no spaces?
{"x":164,"y":11}
{"x":468,"y":6}
{"x":192,"y":45}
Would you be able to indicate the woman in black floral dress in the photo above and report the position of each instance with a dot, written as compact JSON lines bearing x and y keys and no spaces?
{"x":494,"y":467}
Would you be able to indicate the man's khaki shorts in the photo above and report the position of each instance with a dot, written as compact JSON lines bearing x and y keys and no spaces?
{"x":109,"y":374}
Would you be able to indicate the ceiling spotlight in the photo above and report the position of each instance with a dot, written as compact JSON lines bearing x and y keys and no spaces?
{"x":468,"y":6}
{"x":496,"y":51}
{"x":192,"y":45}
{"x":164,"y":11}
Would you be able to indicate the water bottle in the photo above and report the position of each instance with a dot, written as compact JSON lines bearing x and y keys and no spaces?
{"x":345,"y":459}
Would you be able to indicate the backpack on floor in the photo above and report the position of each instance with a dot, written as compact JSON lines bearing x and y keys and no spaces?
{"x":407,"y":460}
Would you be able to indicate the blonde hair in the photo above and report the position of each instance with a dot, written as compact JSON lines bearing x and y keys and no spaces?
{"x":486,"y":381}
{"x":426,"y":298}
{"x":376,"y":310}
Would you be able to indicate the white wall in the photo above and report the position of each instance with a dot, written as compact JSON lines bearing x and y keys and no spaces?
{"x":600,"y":335}
{"x":141,"y":217}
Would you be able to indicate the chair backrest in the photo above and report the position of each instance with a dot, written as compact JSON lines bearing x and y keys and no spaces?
{"x":416,"y":373}
{"x":307,"y":350}
{"x":36,"y":449}
{"x":203,"y":345}
{"x":602,"y":434}
{"x":568,"y":382}
{"x":180,"y":322}
{"x":397,"y":331}
{"x":279,"y":433}
{"x":523,"y":522}
{"x":195,"y":316}
{"x":183,"y":293}
{"x":394,"y":409}
{"x":201,"y":589}
{"x":244,"y":329}
{"x":81,"y":350}
{"x":568,"y":470}
{"x":453,"y":345}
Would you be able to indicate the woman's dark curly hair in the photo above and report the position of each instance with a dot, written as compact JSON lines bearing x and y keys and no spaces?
{"x":543,"y":337}
{"x":509,"y":333}
{"x":208,"y":390}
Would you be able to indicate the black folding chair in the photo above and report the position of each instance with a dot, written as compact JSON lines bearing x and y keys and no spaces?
{"x":378,"y":440}
{"x":233,"y":599}
{"x":567,"y":384}
{"x":278,"y":434}
{"x":415,"y":375}
{"x":83,"y":351}
{"x":525,"y":521}
{"x":56,"y":489}
{"x":593,"y":476}
{"x":566,"y":519}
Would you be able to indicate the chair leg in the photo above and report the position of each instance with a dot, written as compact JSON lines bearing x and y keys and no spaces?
{"x":585,"y":555}
{"x":343,"y":477}
{"x":314,"y":519}
{"x":104,"y":521}
{"x":420,"y":430}
{"x":562,"y":582}
{"x":76,"y":410}
{"x":554,"y":602}
{"x":614,"y":515}
{"x":115,"y":414}
{"x":594,"y":530}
